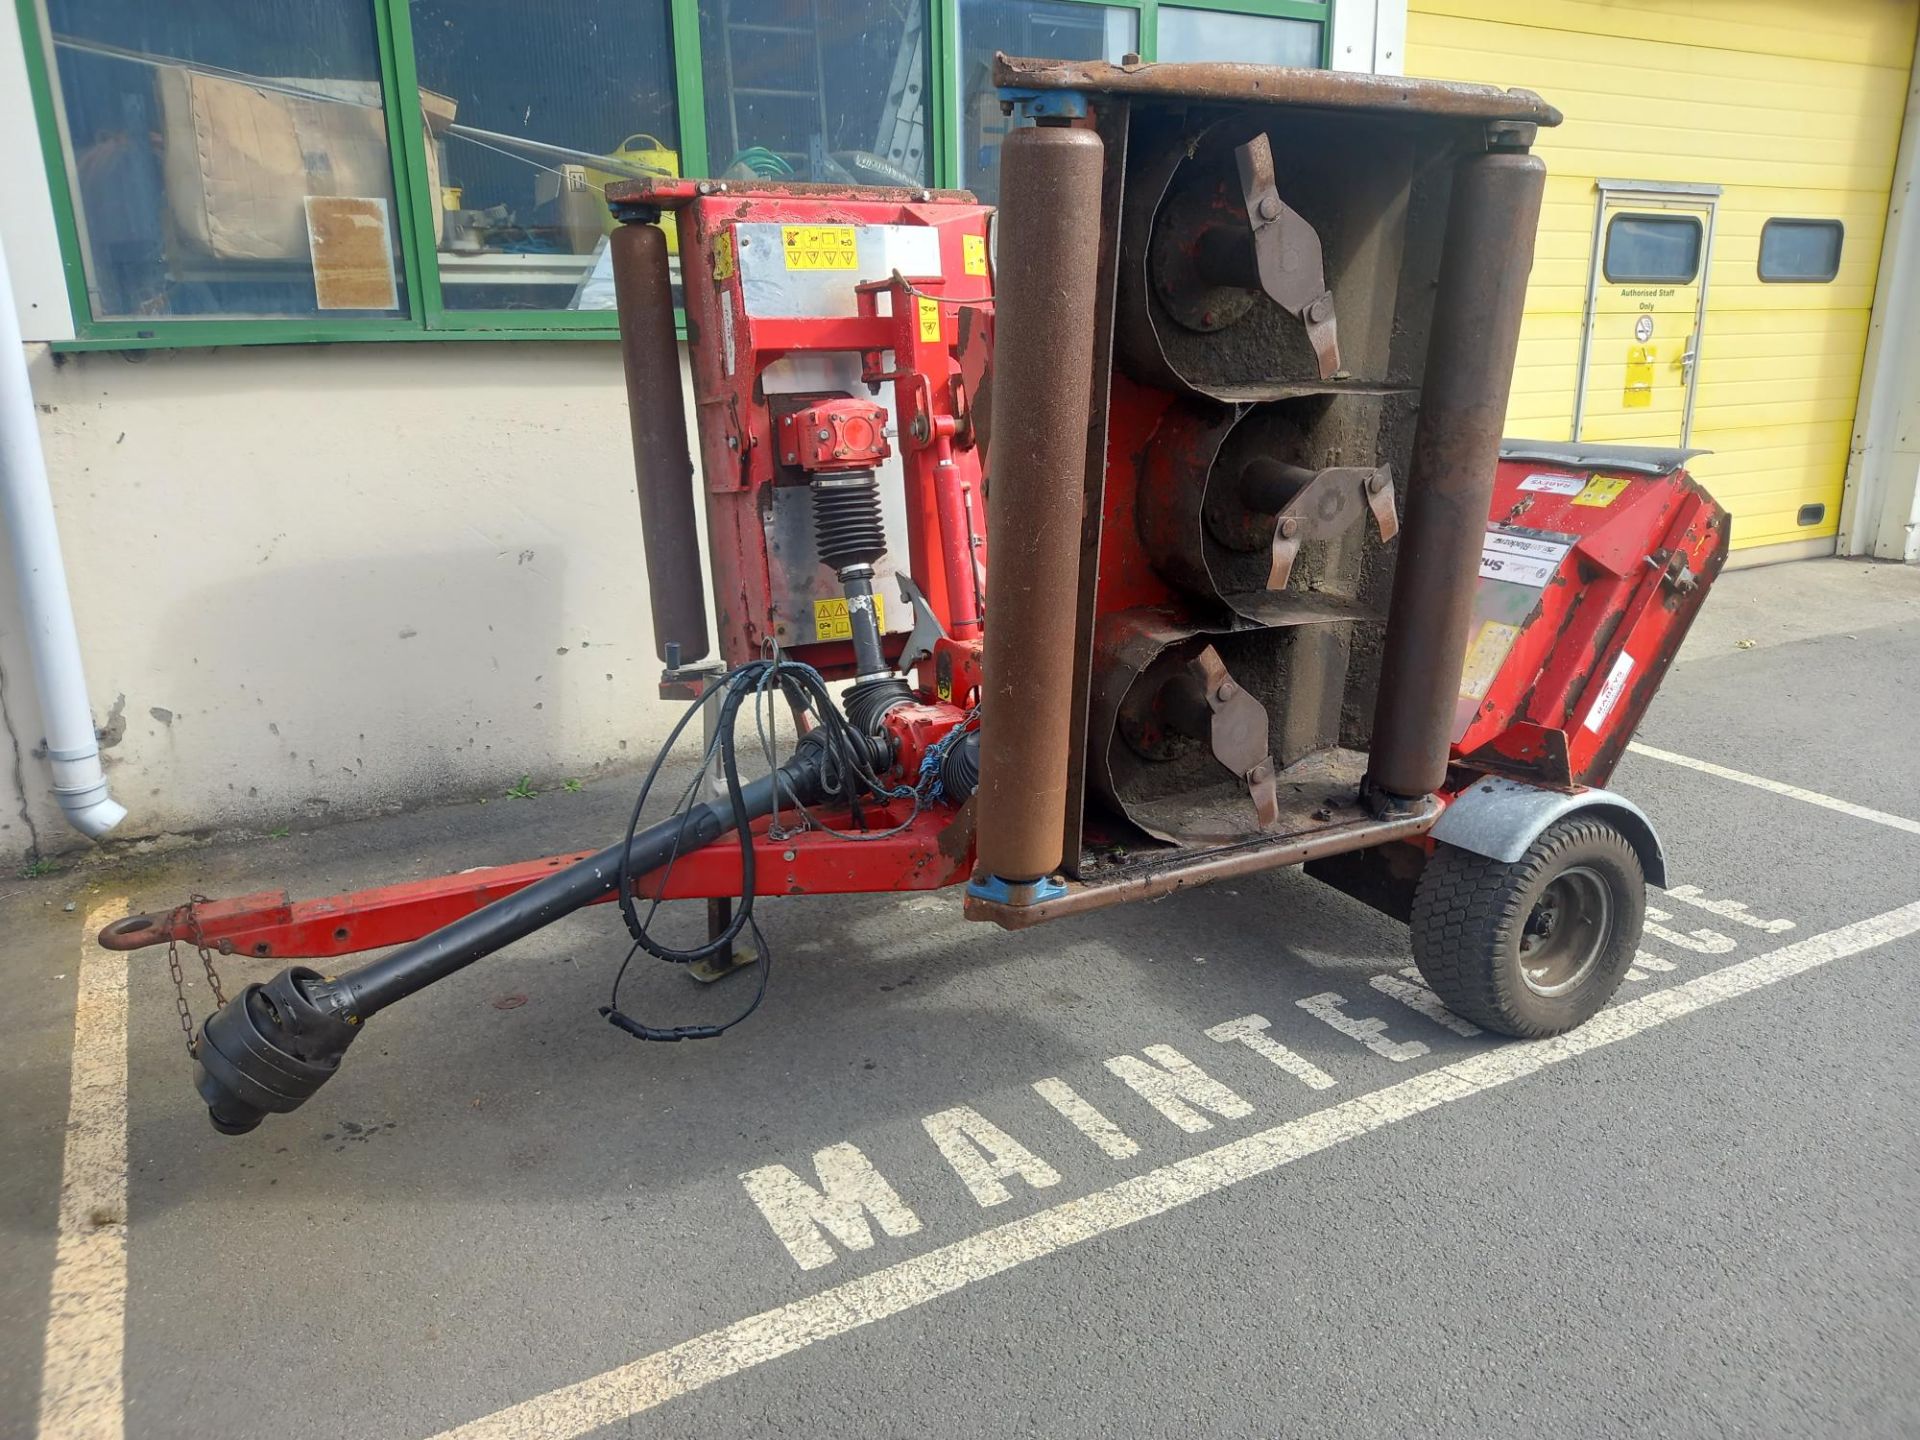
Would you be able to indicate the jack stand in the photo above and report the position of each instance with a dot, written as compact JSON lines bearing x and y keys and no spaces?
{"x":720,"y":908}
{"x":718,"y":967}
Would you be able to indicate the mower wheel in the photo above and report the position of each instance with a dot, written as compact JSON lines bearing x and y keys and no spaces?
{"x":1535,"y":947}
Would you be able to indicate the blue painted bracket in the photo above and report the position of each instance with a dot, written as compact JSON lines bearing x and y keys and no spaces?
{"x":1067,"y":104}
{"x":1015,"y":892}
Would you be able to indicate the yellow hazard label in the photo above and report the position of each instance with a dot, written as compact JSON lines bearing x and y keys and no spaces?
{"x":820,"y":247}
{"x":1485,"y":657}
{"x":830,"y":620}
{"x":973,"y":254}
{"x":723,"y":266}
{"x":929,"y":320}
{"x":1638,"y":394}
{"x":1601,"y":490}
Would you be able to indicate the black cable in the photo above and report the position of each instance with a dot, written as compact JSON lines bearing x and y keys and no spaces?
{"x":800,"y":683}
{"x":640,"y":1030}
{"x":846,"y":762}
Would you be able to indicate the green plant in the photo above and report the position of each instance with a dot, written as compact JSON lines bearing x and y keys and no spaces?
{"x":280,"y":834}
{"x":34,"y":868}
{"x":573,"y":786}
{"x":522,"y":789}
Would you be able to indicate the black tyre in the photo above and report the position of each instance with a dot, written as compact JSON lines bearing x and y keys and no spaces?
{"x":1532,"y":948}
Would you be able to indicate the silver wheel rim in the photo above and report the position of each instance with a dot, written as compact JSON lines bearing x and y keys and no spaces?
{"x":1565,"y":932}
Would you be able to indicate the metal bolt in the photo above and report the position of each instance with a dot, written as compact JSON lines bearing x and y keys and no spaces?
{"x":1376,"y":482}
{"x":1289,"y":527}
{"x":733,"y":442}
{"x":788,"y":855}
{"x":1319,"y":310}
{"x":825,"y":435}
{"x":1226,"y":692}
{"x":1269,"y":207}
{"x":791,"y":457}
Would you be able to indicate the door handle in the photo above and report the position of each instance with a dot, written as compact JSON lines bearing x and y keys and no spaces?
{"x":1687,"y":357}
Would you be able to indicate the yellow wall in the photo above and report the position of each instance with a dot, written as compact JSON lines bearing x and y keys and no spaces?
{"x":1795,"y":108}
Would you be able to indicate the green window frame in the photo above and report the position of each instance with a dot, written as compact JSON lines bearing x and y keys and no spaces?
{"x":430,"y":318}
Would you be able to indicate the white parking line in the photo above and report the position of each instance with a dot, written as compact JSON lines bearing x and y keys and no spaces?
{"x":653,"y":1380}
{"x":81,"y":1371}
{"x":1777,"y":787}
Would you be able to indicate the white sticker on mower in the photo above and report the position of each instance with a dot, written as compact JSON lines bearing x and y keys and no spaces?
{"x":1555,"y":484}
{"x":1520,"y":559}
{"x":1610,"y":692}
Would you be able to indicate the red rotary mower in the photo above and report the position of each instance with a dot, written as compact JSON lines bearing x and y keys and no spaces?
{"x":1152,"y":529}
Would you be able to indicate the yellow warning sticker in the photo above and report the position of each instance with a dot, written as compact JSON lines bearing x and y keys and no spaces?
{"x":1601,"y":490}
{"x":830,"y":618}
{"x":1639,"y":392}
{"x":929,"y":320}
{"x":820,"y":247}
{"x":973,"y":254}
{"x":1485,"y":657}
{"x":723,"y":266}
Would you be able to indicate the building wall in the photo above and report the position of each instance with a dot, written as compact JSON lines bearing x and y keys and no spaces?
{"x":1795,"y":108}
{"x":320,"y":581}
{"x":329,"y":580}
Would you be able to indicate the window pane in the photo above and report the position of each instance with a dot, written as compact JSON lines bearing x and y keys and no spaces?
{"x":1256,"y":39}
{"x":1800,"y":250}
{"x":521,"y":208}
{"x":1652,"y":247}
{"x":827,"y":90}
{"x":228,"y":160}
{"x":1022,"y":27}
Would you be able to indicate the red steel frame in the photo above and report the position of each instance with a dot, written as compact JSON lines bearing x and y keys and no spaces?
{"x":922,"y":329}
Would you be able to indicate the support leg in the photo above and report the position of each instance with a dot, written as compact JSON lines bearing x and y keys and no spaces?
{"x":720,"y":908}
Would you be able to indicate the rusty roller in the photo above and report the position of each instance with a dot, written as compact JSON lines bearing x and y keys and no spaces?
{"x":1045,"y":286}
{"x":1487,"y":254}
{"x":662,"y":462}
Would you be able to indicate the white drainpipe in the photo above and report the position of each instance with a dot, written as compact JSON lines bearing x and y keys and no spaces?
{"x":46,"y":609}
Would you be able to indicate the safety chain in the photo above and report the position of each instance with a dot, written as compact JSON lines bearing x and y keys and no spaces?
{"x":189,"y":916}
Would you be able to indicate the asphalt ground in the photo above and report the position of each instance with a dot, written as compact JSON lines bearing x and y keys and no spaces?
{"x":1698,"y":1219}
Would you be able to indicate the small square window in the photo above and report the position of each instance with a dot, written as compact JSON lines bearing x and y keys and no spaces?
{"x":1643,"y":248}
{"x":1800,"y":251}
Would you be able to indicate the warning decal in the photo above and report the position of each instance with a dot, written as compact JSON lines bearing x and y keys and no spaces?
{"x":830,"y":618}
{"x":929,"y":320}
{"x":1601,"y":490}
{"x":1485,"y":656}
{"x":973,"y":254}
{"x":820,"y":247}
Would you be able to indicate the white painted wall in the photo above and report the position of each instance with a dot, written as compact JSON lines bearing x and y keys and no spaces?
{"x":26,"y":204}
{"x":330,"y":580}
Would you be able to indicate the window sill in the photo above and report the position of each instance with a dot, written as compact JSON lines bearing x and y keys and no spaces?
{"x":207,"y":334}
